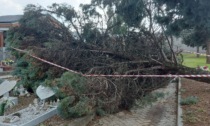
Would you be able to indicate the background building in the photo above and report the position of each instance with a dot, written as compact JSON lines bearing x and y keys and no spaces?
{"x":6,"y":22}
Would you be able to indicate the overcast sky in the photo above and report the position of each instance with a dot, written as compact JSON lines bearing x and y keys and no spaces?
{"x":14,"y":7}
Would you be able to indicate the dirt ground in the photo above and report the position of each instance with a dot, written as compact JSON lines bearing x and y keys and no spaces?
{"x":197,"y":114}
{"x":23,"y":102}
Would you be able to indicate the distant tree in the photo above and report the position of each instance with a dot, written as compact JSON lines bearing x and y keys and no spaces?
{"x":131,"y":17}
{"x":187,"y":18}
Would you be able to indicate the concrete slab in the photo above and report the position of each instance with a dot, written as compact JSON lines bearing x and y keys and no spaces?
{"x":5,"y":76}
{"x":30,"y":120}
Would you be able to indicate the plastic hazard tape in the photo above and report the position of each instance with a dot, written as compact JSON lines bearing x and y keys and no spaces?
{"x":46,"y":61}
{"x":135,"y":76}
{"x":102,"y":75}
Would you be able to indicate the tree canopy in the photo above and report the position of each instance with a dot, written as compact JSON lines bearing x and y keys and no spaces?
{"x":188,"y":19}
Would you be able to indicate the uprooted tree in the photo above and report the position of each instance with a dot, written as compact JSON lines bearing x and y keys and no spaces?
{"x":106,"y":37}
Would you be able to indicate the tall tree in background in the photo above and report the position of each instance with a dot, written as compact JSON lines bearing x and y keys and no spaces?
{"x":191,"y":18}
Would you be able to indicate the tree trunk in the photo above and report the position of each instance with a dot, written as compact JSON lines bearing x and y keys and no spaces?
{"x":198,"y":55}
{"x":208,"y":51}
{"x":183,"y":70}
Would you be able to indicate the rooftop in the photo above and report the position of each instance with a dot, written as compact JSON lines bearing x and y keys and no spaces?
{"x":10,"y":18}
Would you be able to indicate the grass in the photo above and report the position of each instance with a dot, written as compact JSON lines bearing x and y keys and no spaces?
{"x":190,"y":60}
{"x":149,"y":99}
{"x":182,"y":90}
{"x":190,"y":117}
{"x":189,"y":100}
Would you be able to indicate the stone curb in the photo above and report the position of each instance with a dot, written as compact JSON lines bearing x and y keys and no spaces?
{"x":179,"y":109}
{"x":33,"y":122}
{"x":5,"y":76}
{"x":5,"y":73}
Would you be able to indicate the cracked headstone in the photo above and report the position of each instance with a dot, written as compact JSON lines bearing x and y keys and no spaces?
{"x":6,"y":86}
{"x":44,"y":92}
{"x":5,"y":101}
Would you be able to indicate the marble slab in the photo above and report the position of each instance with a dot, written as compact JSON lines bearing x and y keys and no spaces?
{"x":28,"y":119}
{"x":7,"y":86}
{"x":44,"y":92}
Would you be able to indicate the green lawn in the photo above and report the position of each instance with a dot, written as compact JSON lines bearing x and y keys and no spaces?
{"x":191,"y":60}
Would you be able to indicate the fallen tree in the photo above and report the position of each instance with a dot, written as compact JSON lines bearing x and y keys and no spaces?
{"x":93,"y":51}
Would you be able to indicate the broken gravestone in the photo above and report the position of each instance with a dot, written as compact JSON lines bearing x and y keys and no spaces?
{"x":6,"y":100}
{"x":21,"y":91}
{"x":5,"y":87}
{"x":44,"y":92}
{"x":35,"y":113}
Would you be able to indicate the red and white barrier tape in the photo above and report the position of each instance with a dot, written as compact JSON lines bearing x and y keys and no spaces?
{"x":101,"y":75}
{"x":47,"y":61}
{"x":135,"y":76}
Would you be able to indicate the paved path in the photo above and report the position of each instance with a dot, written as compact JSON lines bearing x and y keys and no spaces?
{"x":160,"y":113}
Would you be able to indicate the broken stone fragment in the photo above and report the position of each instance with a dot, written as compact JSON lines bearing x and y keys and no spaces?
{"x":14,"y":119}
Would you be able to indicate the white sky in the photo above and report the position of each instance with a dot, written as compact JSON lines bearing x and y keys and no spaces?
{"x":14,"y":7}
